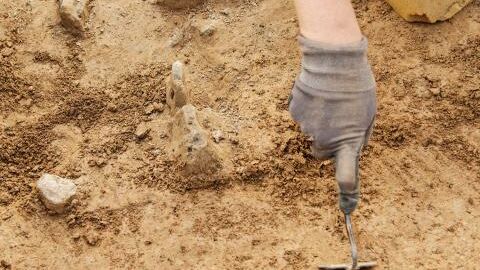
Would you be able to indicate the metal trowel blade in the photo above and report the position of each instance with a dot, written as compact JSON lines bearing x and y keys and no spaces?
{"x":363,"y":265}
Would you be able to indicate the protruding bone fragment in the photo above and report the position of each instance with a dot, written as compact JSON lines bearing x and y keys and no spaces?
{"x":178,"y":94}
{"x":191,"y":144}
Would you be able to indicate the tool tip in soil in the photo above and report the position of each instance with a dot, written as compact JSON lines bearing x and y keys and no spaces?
{"x":360,"y":266}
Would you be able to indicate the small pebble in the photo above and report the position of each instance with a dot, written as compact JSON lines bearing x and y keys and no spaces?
{"x":142,"y":131}
{"x":76,"y":236}
{"x":208,"y":29}
{"x":435,"y":91}
{"x":217,"y":136}
{"x":92,"y":239}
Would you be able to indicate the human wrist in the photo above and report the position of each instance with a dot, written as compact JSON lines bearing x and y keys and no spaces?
{"x":333,"y":67}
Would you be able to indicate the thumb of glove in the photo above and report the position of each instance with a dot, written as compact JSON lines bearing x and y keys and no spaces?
{"x":346,"y":173}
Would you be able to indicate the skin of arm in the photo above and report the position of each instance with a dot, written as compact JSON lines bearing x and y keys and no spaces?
{"x":328,"y":21}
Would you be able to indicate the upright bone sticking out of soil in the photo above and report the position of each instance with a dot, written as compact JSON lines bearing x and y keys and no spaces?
{"x":427,"y":10}
{"x":56,"y":192}
{"x":178,"y":4}
{"x":178,"y":94}
{"x":191,"y":144}
{"x":192,"y":147}
{"x":74,"y":15}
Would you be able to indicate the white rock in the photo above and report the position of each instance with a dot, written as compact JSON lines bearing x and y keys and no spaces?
{"x":217,"y":136}
{"x":207,"y":29}
{"x":56,"y":192}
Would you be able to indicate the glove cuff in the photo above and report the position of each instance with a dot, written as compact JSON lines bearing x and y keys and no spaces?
{"x":329,"y":67}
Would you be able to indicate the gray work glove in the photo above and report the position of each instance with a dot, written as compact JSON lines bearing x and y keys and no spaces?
{"x":334,"y":102}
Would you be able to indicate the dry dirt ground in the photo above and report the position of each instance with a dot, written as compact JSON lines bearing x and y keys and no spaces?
{"x":70,"y":106}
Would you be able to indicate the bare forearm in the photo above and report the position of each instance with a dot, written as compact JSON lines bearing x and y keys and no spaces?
{"x":329,"y":21}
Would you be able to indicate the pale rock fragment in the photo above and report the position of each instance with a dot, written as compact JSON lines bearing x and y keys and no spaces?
{"x":74,"y":15}
{"x":176,"y":38}
{"x":427,"y":10}
{"x":56,"y":192}
{"x":207,"y":29}
{"x":142,"y":131}
{"x":217,"y":136}
{"x":92,"y":238}
{"x":435,"y":91}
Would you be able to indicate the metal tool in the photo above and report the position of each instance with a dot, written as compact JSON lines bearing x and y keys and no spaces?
{"x":353,"y":246}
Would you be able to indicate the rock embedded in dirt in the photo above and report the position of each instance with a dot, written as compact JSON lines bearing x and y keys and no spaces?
{"x":56,"y":192}
{"x":178,"y":94}
{"x":154,"y":107}
{"x":26,"y":102}
{"x":217,"y":136}
{"x":142,"y":131}
{"x":76,"y":236}
{"x":207,"y":29}
{"x":97,"y":162}
{"x":149,"y":109}
{"x":427,"y":10}
{"x":176,"y":38}
{"x":7,"y":52}
{"x":5,"y":198}
{"x":191,"y":144}
{"x":435,"y":91}
{"x":112,"y":107}
{"x":158,"y":107}
{"x":225,"y":12}
{"x":234,"y":141}
{"x":74,"y":15}
{"x":92,"y":239}
{"x":179,"y":4}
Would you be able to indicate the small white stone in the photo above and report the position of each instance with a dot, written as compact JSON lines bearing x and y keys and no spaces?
{"x":207,"y":29}
{"x":56,"y":192}
{"x":217,"y":136}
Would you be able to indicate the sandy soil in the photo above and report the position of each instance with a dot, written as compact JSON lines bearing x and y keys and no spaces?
{"x":70,"y":106}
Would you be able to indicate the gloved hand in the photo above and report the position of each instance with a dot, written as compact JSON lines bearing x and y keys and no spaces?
{"x":334,"y":102}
